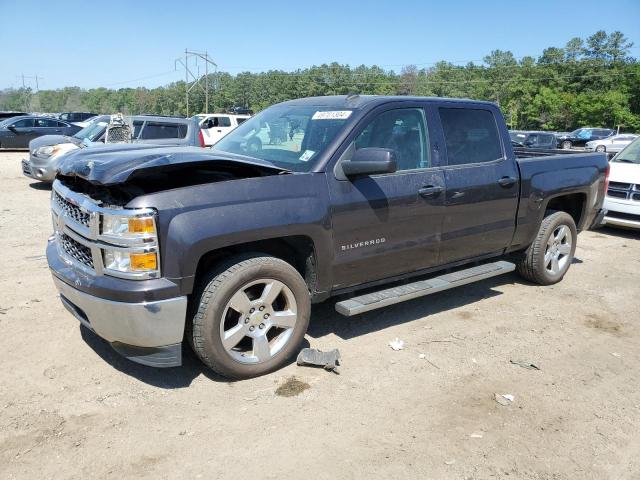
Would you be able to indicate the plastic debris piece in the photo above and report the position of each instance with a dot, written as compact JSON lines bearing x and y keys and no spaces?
{"x":449,"y":462}
{"x":396,"y":344}
{"x":476,"y":435}
{"x":505,"y":399}
{"x":616,"y":354}
{"x":422,"y":356}
{"x":327,"y":360}
{"x":525,"y":364}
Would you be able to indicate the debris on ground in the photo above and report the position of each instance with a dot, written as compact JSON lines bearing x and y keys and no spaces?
{"x":525,"y":364}
{"x":476,"y":435}
{"x":449,"y":462}
{"x":615,"y":354}
{"x":396,"y":344}
{"x":422,"y":356}
{"x":505,"y":399}
{"x":327,"y":360}
{"x":292,"y":387}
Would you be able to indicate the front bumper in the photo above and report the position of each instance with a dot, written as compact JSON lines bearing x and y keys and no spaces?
{"x":622,"y":213}
{"x":146,"y":332}
{"x":45,"y":173}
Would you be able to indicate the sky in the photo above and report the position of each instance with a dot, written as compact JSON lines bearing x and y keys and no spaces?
{"x":119,"y":44}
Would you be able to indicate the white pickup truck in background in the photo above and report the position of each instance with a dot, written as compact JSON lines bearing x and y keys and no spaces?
{"x":217,"y":125}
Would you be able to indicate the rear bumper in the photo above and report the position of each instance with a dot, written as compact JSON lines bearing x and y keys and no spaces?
{"x":598,"y":219}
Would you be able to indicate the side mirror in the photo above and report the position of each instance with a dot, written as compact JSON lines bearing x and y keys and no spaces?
{"x":12,"y":128}
{"x":370,"y":161}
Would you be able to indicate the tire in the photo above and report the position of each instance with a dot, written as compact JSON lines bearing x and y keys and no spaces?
{"x":601,"y":148}
{"x":551,"y":242}
{"x":566,"y":145}
{"x":241,"y":327}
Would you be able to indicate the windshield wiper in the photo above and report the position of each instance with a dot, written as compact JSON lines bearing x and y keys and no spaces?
{"x":624,"y":160}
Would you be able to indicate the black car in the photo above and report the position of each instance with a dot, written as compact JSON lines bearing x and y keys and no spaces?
{"x":579,"y":137}
{"x":17,"y":132}
{"x":5,"y":115}
{"x":76,"y":116}
{"x":541,"y":140}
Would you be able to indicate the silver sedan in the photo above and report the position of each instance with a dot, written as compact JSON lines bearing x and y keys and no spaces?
{"x":611,"y":144}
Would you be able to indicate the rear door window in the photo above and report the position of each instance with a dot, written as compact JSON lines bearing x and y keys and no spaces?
{"x":24,"y":123}
{"x":159,"y":130}
{"x":46,"y":122}
{"x":471,"y":135}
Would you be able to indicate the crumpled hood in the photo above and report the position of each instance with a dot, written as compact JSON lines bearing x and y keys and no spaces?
{"x":624,"y":172}
{"x":49,"y":140}
{"x":113,"y":164}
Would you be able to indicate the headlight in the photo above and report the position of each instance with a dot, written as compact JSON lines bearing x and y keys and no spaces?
{"x":126,"y":262}
{"x":44,"y":151}
{"x":127,"y":226}
{"x":130,"y":247}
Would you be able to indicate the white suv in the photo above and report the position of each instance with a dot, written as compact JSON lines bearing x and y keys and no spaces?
{"x":623,"y":195}
{"x":217,"y":125}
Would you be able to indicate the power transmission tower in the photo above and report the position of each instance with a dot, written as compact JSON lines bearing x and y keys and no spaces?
{"x":27,"y":95}
{"x":196,"y":79}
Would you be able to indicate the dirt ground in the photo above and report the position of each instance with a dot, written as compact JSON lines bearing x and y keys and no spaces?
{"x":71,"y":408}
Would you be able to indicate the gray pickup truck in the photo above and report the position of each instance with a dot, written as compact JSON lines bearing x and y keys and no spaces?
{"x":376,"y":200}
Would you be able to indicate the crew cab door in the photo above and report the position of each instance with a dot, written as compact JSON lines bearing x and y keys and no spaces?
{"x":482,"y":183}
{"x":387,"y":224}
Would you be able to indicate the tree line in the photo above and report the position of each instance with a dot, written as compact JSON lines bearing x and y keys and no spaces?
{"x":588,"y":82}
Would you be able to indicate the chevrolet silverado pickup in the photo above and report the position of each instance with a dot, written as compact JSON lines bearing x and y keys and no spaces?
{"x":373,"y":200}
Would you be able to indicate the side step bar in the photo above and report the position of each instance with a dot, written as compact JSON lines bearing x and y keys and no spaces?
{"x":383,"y":298}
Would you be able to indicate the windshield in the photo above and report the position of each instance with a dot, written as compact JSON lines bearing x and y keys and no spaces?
{"x":91,"y":132}
{"x":631,"y":154}
{"x":291,"y":137}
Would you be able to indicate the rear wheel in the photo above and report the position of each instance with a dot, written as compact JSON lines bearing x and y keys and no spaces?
{"x":548,"y":258}
{"x":251,"y":316}
{"x":566,"y":145}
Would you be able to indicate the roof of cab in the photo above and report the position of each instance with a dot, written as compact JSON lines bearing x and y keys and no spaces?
{"x":360,"y":101}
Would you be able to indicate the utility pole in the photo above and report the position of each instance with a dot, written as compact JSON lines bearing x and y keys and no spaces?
{"x":27,"y":96}
{"x":196,"y":79}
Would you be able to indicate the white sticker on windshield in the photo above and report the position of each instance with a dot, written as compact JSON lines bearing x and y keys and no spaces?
{"x":332,"y":115}
{"x":306,"y":156}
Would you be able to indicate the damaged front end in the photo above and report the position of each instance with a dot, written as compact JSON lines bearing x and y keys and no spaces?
{"x":105,"y":254}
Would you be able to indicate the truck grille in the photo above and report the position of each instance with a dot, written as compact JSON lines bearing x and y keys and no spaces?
{"x":76,"y":250}
{"x":72,"y":211}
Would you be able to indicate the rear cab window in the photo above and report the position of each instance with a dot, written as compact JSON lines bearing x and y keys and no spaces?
{"x":471,"y":135}
{"x":161,"y":130}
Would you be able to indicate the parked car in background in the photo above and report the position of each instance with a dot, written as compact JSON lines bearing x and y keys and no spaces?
{"x":75,"y":117}
{"x":217,"y":125}
{"x":579,"y":137}
{"x":622,"y":201}
{"x":45,"y":152}
{"x":17,"y":132}
{"x":240,"y":111}
{"x":611,"y":144}
{"x":542,"y":140}
{"x":5,"y":115}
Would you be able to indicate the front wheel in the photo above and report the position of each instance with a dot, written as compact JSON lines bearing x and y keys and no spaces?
{"x":250,"y":316}
{"x":548,"y":258}
{"x":601,"y":148}
{"x":566,"y":145}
